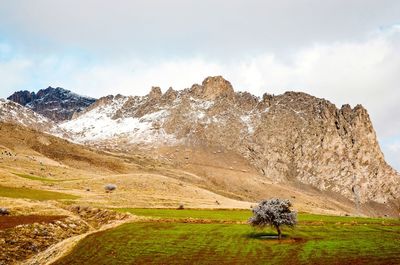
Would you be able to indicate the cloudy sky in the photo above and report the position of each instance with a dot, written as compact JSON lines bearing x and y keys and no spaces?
{"x":347,"y":51}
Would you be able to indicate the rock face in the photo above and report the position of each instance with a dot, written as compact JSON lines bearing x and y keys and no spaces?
{"x":213,"y":88}
{"x":155,"y":93}
{"x":56,"y":104}
{"x":292,"y":137}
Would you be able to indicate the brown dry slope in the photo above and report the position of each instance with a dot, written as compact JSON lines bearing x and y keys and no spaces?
{"x":33,"y":160}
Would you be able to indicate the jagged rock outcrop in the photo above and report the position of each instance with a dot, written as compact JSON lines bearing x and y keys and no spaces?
{"x":155,"y":93}
{"x":170,"y":94}
{"x":213,"y":88}
{"x":57,"y":104}
{"x":291,"y":137}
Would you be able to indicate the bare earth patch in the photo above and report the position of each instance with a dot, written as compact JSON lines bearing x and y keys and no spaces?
{"x":12,"y":221}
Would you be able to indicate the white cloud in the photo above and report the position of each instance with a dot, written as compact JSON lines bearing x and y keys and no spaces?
{"x":136,"y":78}
{"x":181,"y":27}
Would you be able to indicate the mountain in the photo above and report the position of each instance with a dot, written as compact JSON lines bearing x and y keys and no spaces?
{"x":57,"y":104}
{"x":236,"y":144}
{"x":12,"y":112}
{"x":293,"y":137}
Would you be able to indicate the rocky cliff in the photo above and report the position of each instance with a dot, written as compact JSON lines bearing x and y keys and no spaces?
{"x":292,"y":137}
{"x":56,"y":104}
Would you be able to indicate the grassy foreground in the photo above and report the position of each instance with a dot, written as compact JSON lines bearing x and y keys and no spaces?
{"x":316,"y":240}
{"x":220,"y":215}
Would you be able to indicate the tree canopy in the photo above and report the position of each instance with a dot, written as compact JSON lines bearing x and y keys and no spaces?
{"x":273,"y":212}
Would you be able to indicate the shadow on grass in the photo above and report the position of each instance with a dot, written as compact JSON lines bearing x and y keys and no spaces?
{"x":264,"y":235}
{"x":273,"y":238}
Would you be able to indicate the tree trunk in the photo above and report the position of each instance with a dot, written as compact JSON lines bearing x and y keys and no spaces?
{"x":278,"y":229}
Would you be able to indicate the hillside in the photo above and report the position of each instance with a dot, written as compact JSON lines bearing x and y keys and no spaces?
{"x":30,"y":159}
{"x":33,"y":160}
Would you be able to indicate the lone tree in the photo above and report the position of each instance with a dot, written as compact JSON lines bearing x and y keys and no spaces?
{"x":273,"y":212}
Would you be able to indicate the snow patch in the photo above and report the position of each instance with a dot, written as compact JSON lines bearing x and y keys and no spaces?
{"x":99,"y":124}
{"x":201,"y":104}
{"x":13,"y":112}
{"x":246,"y":119}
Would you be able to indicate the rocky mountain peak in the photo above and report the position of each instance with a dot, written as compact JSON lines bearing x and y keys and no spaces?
{"x":170,"y":94}
{"x":57,"y":104}
{"x":155,"y":93}
{"x":213,"y":87}
{"x":52,"y":91}
{"x":22,"y":97}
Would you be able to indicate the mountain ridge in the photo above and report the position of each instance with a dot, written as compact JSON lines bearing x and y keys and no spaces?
{"x":326,"y":147}
{"x":57,"y":104}
{"x":289,"y":138}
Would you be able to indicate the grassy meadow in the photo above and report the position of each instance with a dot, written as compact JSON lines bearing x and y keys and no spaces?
{"x":168,"y":238}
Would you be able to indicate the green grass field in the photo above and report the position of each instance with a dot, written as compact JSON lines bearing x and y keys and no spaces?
{"x":244,"y":215}
{"x":33,"y":194}
{"x":316,"y":240}
{"x":220,"y":215}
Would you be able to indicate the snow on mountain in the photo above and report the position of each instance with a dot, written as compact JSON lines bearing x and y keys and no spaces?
{"x":100,"y":123}
{"x":174,"y":117}
{"x":12,"y":112}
